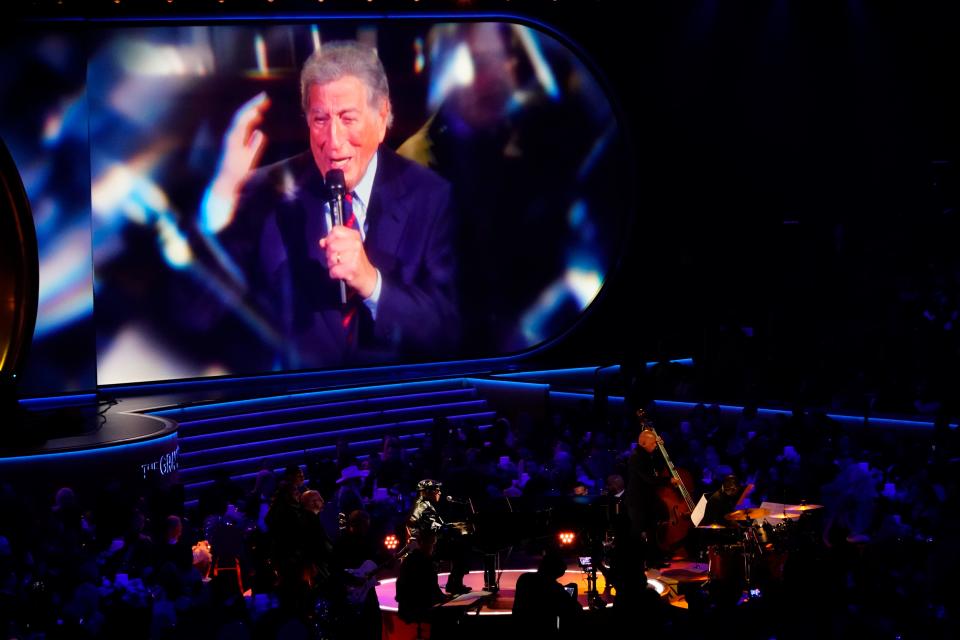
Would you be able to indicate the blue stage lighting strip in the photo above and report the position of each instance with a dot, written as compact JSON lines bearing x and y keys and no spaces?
{"x":329,"y":393}
{"x":686,"y":362}
{"x":89,"y":453}
{"x":334,"y":419}
{"x":841,"y":418}
{"x":192,"y":486}
{"x":323,"y":17}
{"x":362,"y":402}
{"x":484,"y":383}
{"x":191,"y":425}
{"x":571,"y":395}
{"x":369,"y":406}
{"x":279,"y":425}
{"x":435,"y":369}
{"x":574,"y":371}
{"x":185,"y":457}
{"x":187,"y":471}
{"x":554,"y":373}
{"x":55,"y":402}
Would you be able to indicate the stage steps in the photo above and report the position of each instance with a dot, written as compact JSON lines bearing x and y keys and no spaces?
{"x":236,"y":436}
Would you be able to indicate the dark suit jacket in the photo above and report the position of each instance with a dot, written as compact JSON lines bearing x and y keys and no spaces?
{"x":643,"y":503}
{"x":409,"y":239}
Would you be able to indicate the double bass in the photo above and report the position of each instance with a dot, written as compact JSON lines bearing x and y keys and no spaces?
{"x":675,"y":497}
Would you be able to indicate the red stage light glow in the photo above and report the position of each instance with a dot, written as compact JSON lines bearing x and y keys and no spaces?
{"x":566,"y":538}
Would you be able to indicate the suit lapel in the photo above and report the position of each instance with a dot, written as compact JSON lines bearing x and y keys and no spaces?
{"x":312,"y":202}
{"x":302,"y":223}
{"x":388,"y":213}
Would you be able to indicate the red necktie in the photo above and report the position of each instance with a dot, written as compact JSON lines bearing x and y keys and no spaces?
{"x":350,"y":310}
{"x":349,"y":218}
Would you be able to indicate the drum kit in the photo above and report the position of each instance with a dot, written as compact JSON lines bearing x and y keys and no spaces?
{"x":754,"y":542}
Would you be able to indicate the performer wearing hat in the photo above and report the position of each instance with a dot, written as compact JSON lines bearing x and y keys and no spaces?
{"x":348,"y":498}
{"x":426,"y":518}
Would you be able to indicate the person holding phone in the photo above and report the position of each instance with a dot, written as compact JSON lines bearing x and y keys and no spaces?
{"x":544,"y":607}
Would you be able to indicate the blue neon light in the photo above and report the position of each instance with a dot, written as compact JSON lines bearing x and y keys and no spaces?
{"x":107,"y":449}
{"x":687,"y":362}
{"x":293,"y":410}
{"x":506,"y":384}
{"x":292,"y":425}
{"x":572,"y":371}
{"x":556,"y":373}
{"x":300,"y":17}
{"x":376,"y":413}
{"x":174,"y":385}
{"x":185,"y":456}
{"x":845,"y":419}
{"x":273,"y":427}
{"x":53,"y":402}
{"x":329,"y":393}
{"x":571,"y":395}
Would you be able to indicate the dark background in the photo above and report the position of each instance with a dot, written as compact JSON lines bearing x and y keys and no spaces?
{"x":796,"y":198}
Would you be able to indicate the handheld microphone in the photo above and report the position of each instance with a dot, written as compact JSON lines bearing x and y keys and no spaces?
{"x":457,"y":500}
{"x":335,"y":183}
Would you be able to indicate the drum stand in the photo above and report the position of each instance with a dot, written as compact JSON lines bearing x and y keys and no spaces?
{"x":491,"y":572}
{"x":750,"y":543}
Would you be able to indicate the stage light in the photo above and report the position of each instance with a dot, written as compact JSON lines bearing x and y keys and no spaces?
{"x":391,"y":542}
{"x":566,"y":538}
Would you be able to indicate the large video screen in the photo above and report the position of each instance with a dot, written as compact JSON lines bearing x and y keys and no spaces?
{"x":43,"y":122}
{"x":187,"y":215}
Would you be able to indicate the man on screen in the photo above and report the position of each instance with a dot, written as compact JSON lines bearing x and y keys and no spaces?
{"x":394,"y":253}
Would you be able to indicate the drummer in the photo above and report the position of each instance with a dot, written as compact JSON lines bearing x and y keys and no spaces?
{"x":723,"y":501}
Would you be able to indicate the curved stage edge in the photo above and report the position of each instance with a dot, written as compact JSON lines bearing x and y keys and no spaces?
{"x":82,"y":441}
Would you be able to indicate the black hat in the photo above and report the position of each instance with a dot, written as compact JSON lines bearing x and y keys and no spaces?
{"x":428,"y":485}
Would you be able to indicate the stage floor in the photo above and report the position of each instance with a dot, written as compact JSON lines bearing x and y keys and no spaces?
{"x":501,"y":603}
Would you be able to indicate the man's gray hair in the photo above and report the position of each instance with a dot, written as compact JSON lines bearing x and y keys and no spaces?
{"x":346,"y":58}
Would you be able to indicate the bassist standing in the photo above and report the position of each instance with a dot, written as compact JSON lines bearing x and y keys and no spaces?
{"x":644,"y":507}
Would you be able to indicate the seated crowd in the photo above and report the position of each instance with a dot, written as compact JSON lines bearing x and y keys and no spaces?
{"x":272,"y":559}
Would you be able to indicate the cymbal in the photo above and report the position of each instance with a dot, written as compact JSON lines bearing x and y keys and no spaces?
{"x":803,"y":507}
{"x":747,"y":514}
{"x":784,"y":516}
{"x":711,"y":526}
